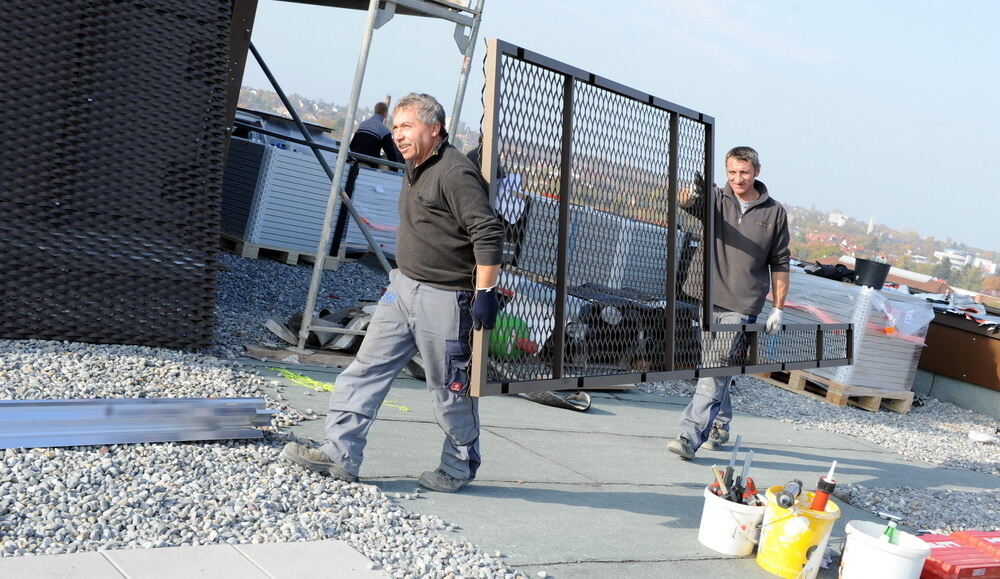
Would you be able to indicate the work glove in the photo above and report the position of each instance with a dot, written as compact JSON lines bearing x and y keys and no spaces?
{"x":485,"y":306}
{"x":774,"y":321}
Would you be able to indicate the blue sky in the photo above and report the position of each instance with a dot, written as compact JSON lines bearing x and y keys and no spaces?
{"x":884,"y":109}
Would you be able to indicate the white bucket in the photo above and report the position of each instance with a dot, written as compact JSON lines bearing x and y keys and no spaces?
{"x":727,"y":527}
{"x":865,"y":555}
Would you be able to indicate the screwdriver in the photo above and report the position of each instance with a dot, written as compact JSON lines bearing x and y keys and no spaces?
{"x":732,"y":462}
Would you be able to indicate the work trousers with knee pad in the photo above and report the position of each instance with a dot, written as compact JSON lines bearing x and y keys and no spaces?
{"x":411,"y":317}
{"x":710,"y":403}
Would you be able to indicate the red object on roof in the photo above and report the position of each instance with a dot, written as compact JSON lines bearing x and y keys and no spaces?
{"x":953,"y":557}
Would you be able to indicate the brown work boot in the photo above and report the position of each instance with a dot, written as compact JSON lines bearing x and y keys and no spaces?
{"x":716,"y":438}
{"x":680,"y":446}
{"x":442,"y":482}
{"x":315,"y":459}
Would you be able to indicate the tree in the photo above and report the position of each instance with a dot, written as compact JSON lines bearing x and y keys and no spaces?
{"x":991,"y":284}
{"x":943,"y":269}
{"x":969,"y":278}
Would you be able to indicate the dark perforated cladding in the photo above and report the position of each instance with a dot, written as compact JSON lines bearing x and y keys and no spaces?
{"x":114,"y":116}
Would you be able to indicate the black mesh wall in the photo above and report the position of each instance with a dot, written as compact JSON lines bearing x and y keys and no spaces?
{"x":109,"y":186}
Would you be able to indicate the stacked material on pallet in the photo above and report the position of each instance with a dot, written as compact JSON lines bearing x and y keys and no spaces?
{"x":889,"y":328}
{"x":604,"y":248}
{"x":277,"y":198}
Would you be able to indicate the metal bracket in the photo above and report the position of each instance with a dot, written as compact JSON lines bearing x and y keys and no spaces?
{"x":384,"y":15}
{"x":461,"y":38}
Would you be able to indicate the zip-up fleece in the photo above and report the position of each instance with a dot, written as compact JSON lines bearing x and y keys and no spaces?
{"x":748,"y":247}
{"x":446,"y":223}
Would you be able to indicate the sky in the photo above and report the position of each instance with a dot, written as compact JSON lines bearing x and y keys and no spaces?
{"x":876,"y":109}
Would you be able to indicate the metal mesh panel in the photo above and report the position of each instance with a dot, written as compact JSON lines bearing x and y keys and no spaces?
{"x":111,"y":190}
{"x":596,"y":280}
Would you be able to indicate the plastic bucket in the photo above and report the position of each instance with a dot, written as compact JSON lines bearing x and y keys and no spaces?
{"x":871,"y":273}
{"x":793,"y":541}
{"x":865,"y":555}
{"x":727,"y":527}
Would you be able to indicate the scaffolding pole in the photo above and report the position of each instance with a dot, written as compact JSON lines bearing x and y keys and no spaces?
{"x":374,"y":20}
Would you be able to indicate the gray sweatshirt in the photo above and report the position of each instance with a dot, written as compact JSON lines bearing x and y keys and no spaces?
{"x":446,"y":223}
{"x":748,"y":247}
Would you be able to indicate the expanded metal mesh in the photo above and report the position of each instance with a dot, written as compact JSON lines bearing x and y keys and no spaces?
{"x":596,"y":280}
{"x":110,"y":192}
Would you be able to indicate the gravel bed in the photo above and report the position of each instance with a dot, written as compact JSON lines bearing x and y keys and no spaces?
{"x":253,"y":290}
{"x":66,"y":500}
{"x":934,"y":431}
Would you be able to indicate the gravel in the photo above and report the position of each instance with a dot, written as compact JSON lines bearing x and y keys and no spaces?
{"x":253,"y":290}
{"x":934,"y":431}
{"x":149,"y":495}
{"x":67,"y":500}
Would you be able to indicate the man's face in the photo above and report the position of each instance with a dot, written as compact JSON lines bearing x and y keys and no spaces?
{"x":741,"y":175}
{"x":414,"y":138}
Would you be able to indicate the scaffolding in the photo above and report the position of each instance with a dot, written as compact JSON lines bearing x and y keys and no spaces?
{"x":466,"y":14}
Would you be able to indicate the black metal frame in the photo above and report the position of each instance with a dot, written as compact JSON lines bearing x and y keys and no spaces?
{"x":498,"y":50}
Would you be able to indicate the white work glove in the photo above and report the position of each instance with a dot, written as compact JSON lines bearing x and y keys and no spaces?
{"x":774,"y":321}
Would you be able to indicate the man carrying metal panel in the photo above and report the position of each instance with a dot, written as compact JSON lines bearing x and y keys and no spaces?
{"x":448,"y":244}
{"x":751,"y":255}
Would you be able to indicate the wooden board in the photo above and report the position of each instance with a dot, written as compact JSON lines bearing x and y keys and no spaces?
{"x":287,"y":256}
{"x":287,"y":356}
{"x":818,"y":388}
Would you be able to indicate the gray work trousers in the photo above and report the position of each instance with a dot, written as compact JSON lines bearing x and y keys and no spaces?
{"x":411,"y":317}
{"x":710,"y":403}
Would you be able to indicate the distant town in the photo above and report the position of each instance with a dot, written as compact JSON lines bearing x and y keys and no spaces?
{"x":817,"y":234}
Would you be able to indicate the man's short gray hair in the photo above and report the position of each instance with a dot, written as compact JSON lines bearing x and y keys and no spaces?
{"x":428,"y":110}
{"x":744,"y":154}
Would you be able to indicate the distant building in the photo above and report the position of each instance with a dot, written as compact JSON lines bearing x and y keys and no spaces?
{"x":838,"y":219}
{"x":987,"y":266}
{"x":957,"y":257}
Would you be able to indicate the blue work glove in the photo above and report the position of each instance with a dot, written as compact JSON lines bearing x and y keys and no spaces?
{"x":484,"y":309}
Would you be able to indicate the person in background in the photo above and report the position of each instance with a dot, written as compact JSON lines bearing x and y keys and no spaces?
{"x":371,"y":139}
{"x":448,"y":252}
{"x":751,"y":256}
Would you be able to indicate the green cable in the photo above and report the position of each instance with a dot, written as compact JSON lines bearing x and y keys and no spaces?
{"x":326,"y":386}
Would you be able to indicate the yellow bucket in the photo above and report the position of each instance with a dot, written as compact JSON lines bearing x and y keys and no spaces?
{"x":793,"y":541}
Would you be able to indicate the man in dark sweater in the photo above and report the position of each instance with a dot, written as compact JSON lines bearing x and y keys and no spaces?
{"x":448,"y":251}
{"x":751,"y":256}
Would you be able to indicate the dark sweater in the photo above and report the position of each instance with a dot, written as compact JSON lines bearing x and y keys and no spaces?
{"x":748,"y":247}
{"x":446,"y":223}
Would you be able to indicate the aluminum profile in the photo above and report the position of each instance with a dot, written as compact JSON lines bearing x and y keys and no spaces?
{"x":55,"y":423}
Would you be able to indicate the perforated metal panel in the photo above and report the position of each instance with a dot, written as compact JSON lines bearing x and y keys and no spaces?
{"x":604,"y":192}
{"x":110,"y":184}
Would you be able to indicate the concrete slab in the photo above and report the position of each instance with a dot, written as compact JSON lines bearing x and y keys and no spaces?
{"x":309,"y":560}
{"x":77,"y":565}
{"x":215,"y":561}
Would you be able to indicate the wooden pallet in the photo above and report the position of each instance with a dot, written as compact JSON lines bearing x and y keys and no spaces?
{"x":289,"y":256}
{"x":818,"y":388}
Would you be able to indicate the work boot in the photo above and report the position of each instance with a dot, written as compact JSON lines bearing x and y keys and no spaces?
{"x":315,"y":459}
{"x":716,"y":438}
{"x":681,"y":447}
{"x":442,"y":482}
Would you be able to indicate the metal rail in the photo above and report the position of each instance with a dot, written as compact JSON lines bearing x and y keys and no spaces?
{"x":54,"y":423}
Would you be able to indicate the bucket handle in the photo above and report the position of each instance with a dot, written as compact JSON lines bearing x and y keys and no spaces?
{"x":752,"y":537}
